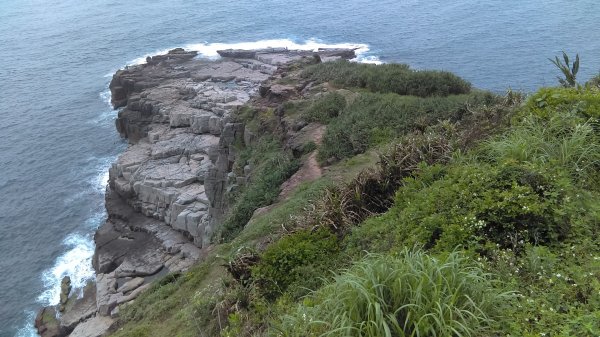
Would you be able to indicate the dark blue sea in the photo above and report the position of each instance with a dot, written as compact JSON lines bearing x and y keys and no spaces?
{"x":57,"y":135}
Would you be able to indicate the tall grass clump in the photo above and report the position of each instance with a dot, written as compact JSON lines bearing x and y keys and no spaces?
{"x":413,"y":294}
{"x":562,"y":140}
{"x":388,"y":78}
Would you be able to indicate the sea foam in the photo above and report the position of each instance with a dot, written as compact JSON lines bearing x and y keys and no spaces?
{"x":76,"y":263}
{"x":209,"y":50}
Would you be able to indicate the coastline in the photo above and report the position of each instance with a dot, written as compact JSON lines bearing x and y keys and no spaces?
{"x":166,"y":193}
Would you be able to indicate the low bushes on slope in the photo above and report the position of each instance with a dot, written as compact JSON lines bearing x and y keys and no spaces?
{"x":374,"y":119}
{"x":296,"y":263}
{"x":413,"y":294}
{"x":388,"y":78}
{"x":325,"y":108}
{"x":521,"y":186}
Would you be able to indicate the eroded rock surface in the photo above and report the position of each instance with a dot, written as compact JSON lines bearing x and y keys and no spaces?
{"x":177,"y":118}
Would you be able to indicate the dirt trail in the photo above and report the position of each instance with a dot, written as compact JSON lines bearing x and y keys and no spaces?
{"x":310,"y":169}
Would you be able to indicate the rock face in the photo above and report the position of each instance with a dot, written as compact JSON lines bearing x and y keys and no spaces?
{"x":167,"y":191}
{"x":177,"y":118}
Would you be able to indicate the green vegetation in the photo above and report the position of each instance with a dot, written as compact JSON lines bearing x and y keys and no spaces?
{"x":388,"y":78}
{"x":569,"y":71}
{"x":374,"y":119}
{"x":410,"y":295}
{"x":325,"y":108}
{"x":272,"y":166}
{"x":296,"y":260}
{"x":581,"y":101}
{"x":476,"y":215}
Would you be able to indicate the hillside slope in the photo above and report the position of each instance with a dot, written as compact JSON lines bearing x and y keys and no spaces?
{"x":440,"y":210}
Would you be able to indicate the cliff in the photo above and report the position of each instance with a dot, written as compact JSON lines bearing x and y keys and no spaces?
{"x":167,"y":193}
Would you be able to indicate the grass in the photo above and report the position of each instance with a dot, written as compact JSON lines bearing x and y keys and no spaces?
{"x":562,"y":140}
{"x":413,"y":294}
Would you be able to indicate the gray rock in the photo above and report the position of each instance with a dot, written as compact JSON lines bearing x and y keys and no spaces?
{"x":145,"y":264}
{"x":79,"y":309}
{"x":131,"y":285}
{"x":106,"y":300}
{"x":94,"y":327}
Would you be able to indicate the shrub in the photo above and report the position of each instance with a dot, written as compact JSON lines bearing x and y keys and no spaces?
{"x":325,"y":107}
{"x":581,"y":101}
{"x":594,"y":81}
{"x":295,"y":262}
{"x":388,"y":78}
{"x":469,"y":205}
{"x":375,"y":119}
{"x":410,"y":295}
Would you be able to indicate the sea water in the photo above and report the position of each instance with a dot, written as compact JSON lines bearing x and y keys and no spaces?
{"x":57,"y":135}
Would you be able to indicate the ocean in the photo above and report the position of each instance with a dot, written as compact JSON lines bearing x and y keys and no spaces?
{"x":57,"y":135}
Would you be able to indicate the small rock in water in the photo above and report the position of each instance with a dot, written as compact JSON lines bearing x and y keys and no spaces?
{"x":65,"y":290}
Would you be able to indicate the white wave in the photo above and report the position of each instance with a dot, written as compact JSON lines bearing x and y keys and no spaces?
{"x":209,"y":50}
{"x":105,"y":96}
{"x":100,"y":180}
{"x":76,"y":263}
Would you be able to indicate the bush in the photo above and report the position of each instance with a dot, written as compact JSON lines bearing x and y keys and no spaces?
{"x":388,"y":78}
{"x":469,"y":205}
{"x":375,"y":119}
{"x":410,"y":295}
{"x":325,"y":108}
{"x":594,"y":81}
{"x":295,"y":263}
{"x":581,"y":101}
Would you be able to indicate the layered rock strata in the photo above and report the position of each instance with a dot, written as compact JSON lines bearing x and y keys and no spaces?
{"x":177,"y":117}
{"x":167,"y":191}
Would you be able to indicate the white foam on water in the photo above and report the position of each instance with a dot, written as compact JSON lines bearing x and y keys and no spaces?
{"x":76,"y":263}
{"x":100,"y":180}
{"x":209,"y":50}
{"x":105,"y":96}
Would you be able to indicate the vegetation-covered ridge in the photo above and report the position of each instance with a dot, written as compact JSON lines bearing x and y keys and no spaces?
{"x":441,"y":211}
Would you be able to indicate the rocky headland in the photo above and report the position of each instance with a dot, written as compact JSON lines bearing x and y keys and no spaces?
{"x":167,"y":193}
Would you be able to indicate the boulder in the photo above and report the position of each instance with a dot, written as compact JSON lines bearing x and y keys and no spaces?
{"x":237,"y":53}
{"x":65,"y":290}
{"x":79,"y":309}
{"x":47,"y":324}
{"x":94,"y":327}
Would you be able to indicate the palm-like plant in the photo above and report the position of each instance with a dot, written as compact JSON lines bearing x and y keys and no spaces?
{"x":569,"y":71}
